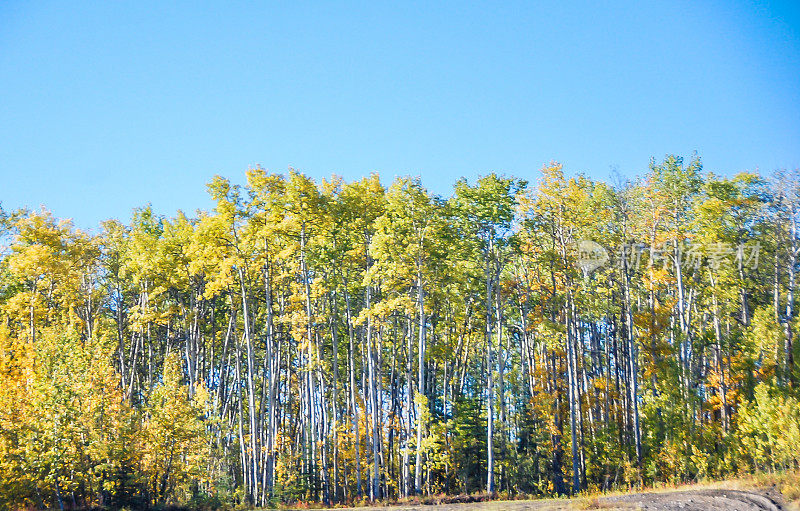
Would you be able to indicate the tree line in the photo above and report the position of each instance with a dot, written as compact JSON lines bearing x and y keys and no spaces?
{"x":338,"y":341}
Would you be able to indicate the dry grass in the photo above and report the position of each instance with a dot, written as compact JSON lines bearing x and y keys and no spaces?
{"x":788,"y":483}
{"x":596,"y":503}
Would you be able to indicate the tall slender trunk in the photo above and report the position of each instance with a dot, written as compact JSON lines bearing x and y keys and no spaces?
{"x":273,"y":368}
{"x":408,"y":427}
{"x":574,"y":403}
{"x":243,"y":454}
{"x":311,"y":388}
{"x":634,"y":363}
{"x":352,"y":370}
{"x":489,"y":374}
{"x":373,"y":394}
{"x":251,"y":404}
{"x":718,"y":354}
{"x":789,"y":319}
{"x":420,"y":382}
{"x":335,"y":404}
{"x":686,"y":338}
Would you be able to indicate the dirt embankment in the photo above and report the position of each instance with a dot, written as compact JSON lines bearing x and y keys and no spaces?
{"x":700,"y":500}
{"x":679,"y":500}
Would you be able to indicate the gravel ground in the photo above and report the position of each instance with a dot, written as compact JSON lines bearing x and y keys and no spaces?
{"x":684,"y":500}
{"x":700,"y":500}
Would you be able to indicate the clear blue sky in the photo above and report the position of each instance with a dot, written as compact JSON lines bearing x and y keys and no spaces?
{"x":105,"y":106}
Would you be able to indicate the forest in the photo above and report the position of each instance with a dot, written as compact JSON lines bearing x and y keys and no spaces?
{"x":341,"y":342}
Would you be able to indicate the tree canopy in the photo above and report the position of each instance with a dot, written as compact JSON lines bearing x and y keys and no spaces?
{"x":340,"y":341}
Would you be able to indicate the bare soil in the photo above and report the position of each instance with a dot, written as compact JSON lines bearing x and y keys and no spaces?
{"x":678,"y":500}
{"x":700,"y":500}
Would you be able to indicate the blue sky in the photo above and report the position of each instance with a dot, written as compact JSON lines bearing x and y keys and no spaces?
{"x":105,"y":106}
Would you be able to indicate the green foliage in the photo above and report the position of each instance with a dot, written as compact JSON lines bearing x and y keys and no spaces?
{"x":769,"y":430}
{"x":173,"y":446}
{"x":468,"y":440}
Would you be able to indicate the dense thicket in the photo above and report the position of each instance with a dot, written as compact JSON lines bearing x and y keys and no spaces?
{"x":337,"y":341}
